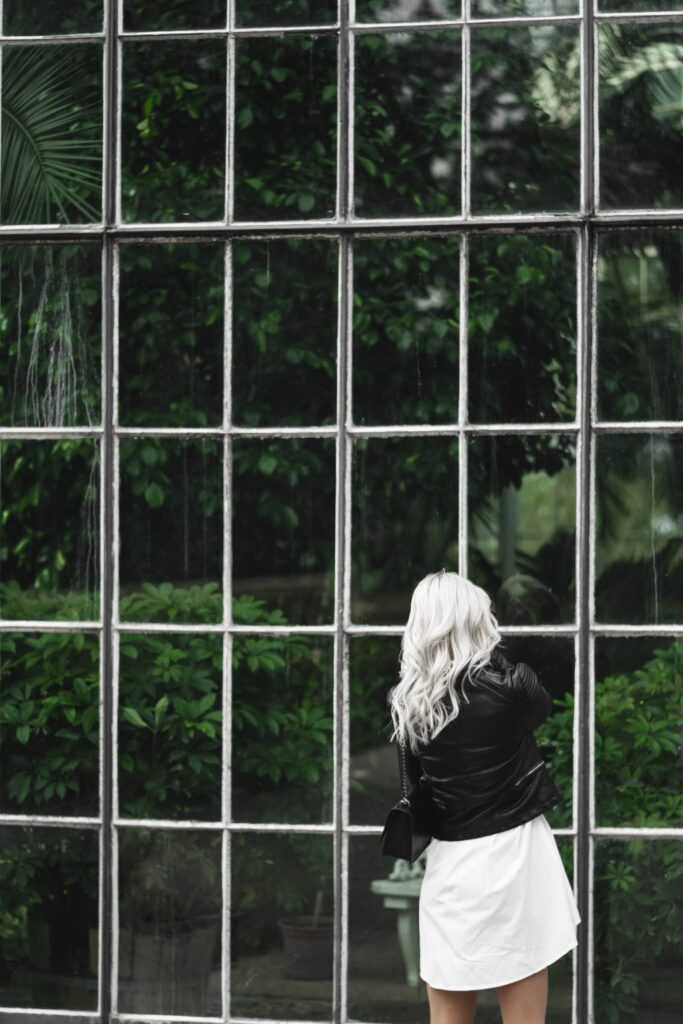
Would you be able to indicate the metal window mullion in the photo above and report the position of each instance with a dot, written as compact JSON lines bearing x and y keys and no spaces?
{"x":462,"y":404}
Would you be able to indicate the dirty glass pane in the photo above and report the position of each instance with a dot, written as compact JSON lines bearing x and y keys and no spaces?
{"x":636,"y":939}
{"x":282,"y":926}
{"x":285,"y":12}
{"x":50,"y":324}
{"x":49,"y":936}
{"x":640,"y":324}
{"x":169,"y":731}
{"x":49,"y":529}
{"x":283,"y":530}
{"x":284,"y":330}
{"x":155,"y":15}
{"x":641,"y":147}
{"x":58,"y":17}
{"x":173,"y":130}
{"x":523,"y":8}
{"x":171,"y":526}
{"x":407,"y":124}
{"x":404,"y":521}
{"x":406,"y":10}
{"x":638,"y":687}
{"x":285,"y":127}
{"x":639,"y":530}
{"x":282,"y":726}
{"x":525,"y":119}
{"x":170,"y":922}
{"x":51,"y":170}
{"x":522,"y":328}
{"x":49,"y":723}
{"x":406,"y":330}
{"x":171,"y":335}
{"x":521,"y":525}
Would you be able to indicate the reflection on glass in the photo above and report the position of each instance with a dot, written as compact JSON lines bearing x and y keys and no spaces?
{"x":640,"y":324}
{"x":404,"y":521}
{"x":638,"y":743}
{"x":282,"y":724}
{"x":639,"y":491}
{"x":282,"y":903}
{"x":285,"y":12}
{"x":641,"y":147}
{"x":59,"y":17}
{"x":283,"y":530}
{"x":173,"y":130}
{"x":171,"y":526}
{"x":521,"y":525}
{"x":522,"y":328}
{"x":170,"y":922}
{"x":49,"y":723}
{"x":525,"y":119}
{"x":49,"y":529}
{"x":285,"y":127}
{"x":523,"y":8}
{"x":407,"y":10}
{"x":49,"y":919}
{"x":406,"y":330}
{"x":155,"y":15}
{"x":637,"y":938}
{"x":51,"y":134}
{"x":284,"y":332}
{"x":171,"y":335}
{"x":407,"y":124}
{"x":50,"y":322}
{"x":170,"y":723}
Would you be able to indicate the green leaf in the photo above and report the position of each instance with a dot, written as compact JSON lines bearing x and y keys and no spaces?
{"x":134,"y":717}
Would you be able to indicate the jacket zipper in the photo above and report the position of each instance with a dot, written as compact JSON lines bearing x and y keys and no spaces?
{"x":533,"y":769}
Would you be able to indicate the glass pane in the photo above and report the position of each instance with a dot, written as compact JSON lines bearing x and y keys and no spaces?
{"x":49,"y":723}
{"x":521,"y":525}
{"x":523,"y":8}
{"x":284,"y":332}
{"x":155,"y":15}
{"x":49,"y":918}
{"x":638,"y":5}
{"x":639,"y":491}
{"x":407,"y":124}
{"x":284,"y":490}
{"x":171,"y":516}
{"x":171,"y":335}
{"x":406,"y":330}
{"x":641,"y":147}
{"x":522,"y":328}
{"x":50,"y":323}
{"x":640,"y":325}
{"x":412,"y":10}
{"x":170,"y":725}
{"x":285,"y":12}
{"x":281,"y":926}
{"x":285,"y":127}
{"x":51,"y":134}
{"x":525,"y":119}
{"x":58,"y":17}
{"x":49,"y":529}
{"x":638,"y":740}
{"x":637,"y":938}
{"x":170,"y":922}
{"x":282,"y":725}
{"x":404,"y":521}
{"x":173,"y":130}
{"x":384,"y":984}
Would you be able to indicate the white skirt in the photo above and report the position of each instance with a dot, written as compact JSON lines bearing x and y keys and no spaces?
{"x":494,"y":909}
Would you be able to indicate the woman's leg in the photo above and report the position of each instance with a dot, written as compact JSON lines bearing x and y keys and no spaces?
{"x":525,"y":1001}
{"x":446,"y":1007}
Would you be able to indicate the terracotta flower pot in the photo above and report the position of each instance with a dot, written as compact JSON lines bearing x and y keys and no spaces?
{"x":308,"y":947}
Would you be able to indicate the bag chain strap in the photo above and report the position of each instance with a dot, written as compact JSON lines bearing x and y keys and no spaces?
{"x":404,"y":782}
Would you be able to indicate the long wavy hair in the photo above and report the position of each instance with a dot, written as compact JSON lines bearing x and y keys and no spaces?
{"x":451,"y":633}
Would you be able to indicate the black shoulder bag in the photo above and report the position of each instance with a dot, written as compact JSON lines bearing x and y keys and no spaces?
{"x":407,"y":831}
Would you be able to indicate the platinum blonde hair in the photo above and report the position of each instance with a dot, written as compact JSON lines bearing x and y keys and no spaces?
{"x":451,"y":631}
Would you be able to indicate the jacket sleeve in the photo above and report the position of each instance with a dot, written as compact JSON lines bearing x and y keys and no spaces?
{"x":536,"y":703}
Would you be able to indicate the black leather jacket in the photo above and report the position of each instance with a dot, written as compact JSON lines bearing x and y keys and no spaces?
{"x":484,"y":770}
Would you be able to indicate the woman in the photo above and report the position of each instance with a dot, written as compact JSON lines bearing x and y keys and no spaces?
{"x":496,"y":906}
